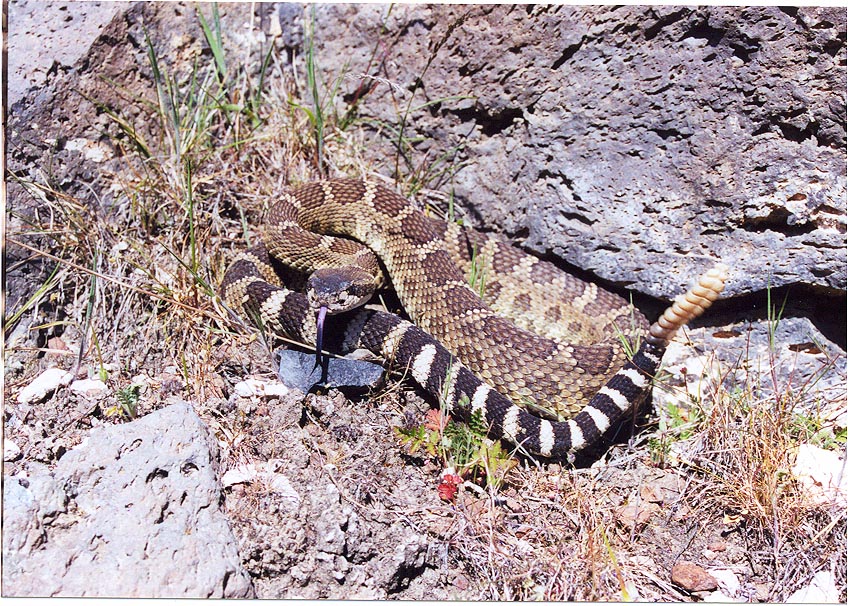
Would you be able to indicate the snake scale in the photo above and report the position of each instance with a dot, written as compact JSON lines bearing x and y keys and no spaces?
{"x":551,"y":379}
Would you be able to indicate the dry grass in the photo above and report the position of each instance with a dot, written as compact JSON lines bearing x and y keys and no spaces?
{"x":747,"y":446}
{"x":135,"y":289}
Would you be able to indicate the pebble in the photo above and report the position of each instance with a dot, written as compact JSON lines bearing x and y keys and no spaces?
{"x":265,"y":473}
{"x":298,"y":371}
{"x":460,"y":581}
{"x":11,"y":451}
{"x":821,"y":589}
{"x":692,"y":577}
{"x":90,"y":388}
{"x":44,"y":384}
{"x":728,"y":581}
{"x":255,"y":387}
{"x":58,"y":344}
{"x":635,"y":517}
{"x":821,"y":474}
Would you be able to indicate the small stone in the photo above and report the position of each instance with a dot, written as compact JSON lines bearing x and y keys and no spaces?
{"x":44,"y":384}
{"x":440,"y":526}
{"x":822,"y":589}
{"x":257,"y":388}
{"x":651,"y":493}
{"x":820,"y":474}
{"x":266,"y":474}
{"x":762,"y":591}
{"x":513,"y":504}
{"x":298,"y":371}
{"x":11,"y":451}
{"x":242,"y":474}
{"x":727,"y":579}
{"x":90,"y":388}
{"x":142,"y":380}
{"x":692,"y":577}
{"x":635,"y":516}
{"x":57,"y":343}
{"x":461,"y":582}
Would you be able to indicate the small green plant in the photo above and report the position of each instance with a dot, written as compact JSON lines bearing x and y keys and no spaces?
{"x":630,"y":340}
{"x":463,"y":447}
{"x":127,"y":405}
{"x":774,"y":314}
{"x":477,"y":272}
{"x":676,"y":422}
{"x":55,"y":278}
{"x":316,"y":116}
{"x":322,"y":104}
{"x":404,"y":119}
{"x":812,"y":429}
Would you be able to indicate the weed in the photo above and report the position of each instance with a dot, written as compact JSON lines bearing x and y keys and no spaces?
{"x":463,"y":447}
{"x":128,"y":398}
{"x":49,"y":284}
{"x":316,"y":116}
{"x":774,"y":314}
{"x":322,"y":102}
{"x":477,"y":272}
{"x":812,"y":429}
{"x":214,"y":39}
{"x":630,"y":339}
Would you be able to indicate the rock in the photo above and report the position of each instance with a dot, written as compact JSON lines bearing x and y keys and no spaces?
{"x":298,"y":371}
{"x":57,"y":344}
{"x":22,"y":529}
{"x":663,"y":487}
{"x":822,"y":589}
{"x":90,"y":388}
{"x":635,"y":517}
{"x":257,"y":388}
{"x":821,"y":474}
{"x":44,"y":385}
{"x":131,"y":512}
{"x":11,"y":451}
{"x":727,"y":581}
{"x":692,"y":577}
{"x":794,"y":352}
{"x":637,"y":143}
{"x":718,"y":546}
{"x":266,"y":473}
{"x":34,"y":54}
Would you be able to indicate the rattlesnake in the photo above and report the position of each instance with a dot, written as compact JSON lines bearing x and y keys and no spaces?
{"x":551,"y":394}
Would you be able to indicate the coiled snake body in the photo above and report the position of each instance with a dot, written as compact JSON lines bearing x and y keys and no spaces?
{"x":551,"y":381}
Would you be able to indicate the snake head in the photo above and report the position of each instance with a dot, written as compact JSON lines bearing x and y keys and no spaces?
{"x":339,"y":289}
{"x":335,"y":290}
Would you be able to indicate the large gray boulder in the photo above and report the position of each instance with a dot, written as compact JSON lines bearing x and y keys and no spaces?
{"x":638,"y":143}
{"x":132,"y":512}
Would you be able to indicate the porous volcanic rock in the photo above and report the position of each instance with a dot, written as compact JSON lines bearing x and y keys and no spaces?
{"x":638,"y":143}
{"x":132,"y":512}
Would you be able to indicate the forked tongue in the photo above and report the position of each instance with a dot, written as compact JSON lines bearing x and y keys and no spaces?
{"x":319,"y":336}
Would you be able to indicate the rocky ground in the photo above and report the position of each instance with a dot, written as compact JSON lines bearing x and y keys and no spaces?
{"x":149,"y":448}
